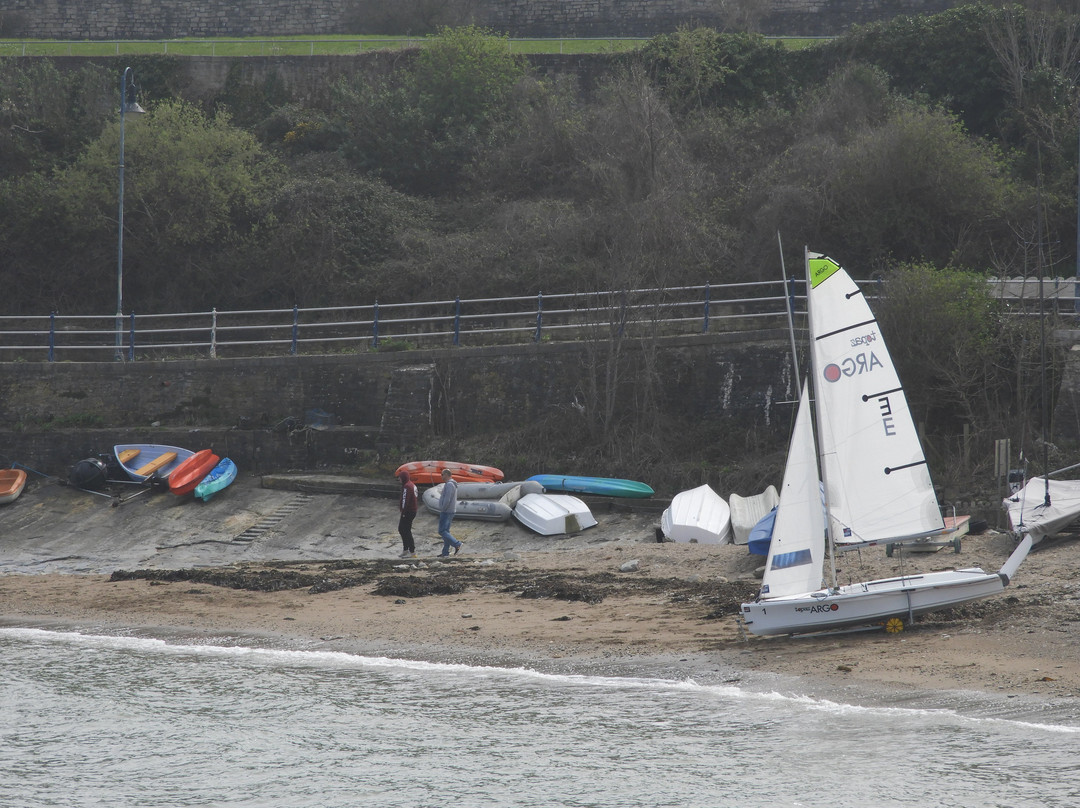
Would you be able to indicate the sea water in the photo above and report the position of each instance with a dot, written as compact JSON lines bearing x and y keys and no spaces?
{"x":90,"y":720}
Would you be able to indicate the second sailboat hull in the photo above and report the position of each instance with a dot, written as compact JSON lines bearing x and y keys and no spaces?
{"x":870,"y":602}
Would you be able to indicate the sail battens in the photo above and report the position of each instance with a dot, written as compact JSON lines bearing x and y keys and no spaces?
{"x":871,"y":321}
{"x":868,"y":396}
{"x":891,"y":469}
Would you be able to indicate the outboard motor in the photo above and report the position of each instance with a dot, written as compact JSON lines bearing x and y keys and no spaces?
{"x":89,"y":474}
{"x":113,"y":469}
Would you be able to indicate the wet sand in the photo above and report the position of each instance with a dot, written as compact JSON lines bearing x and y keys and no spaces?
{"x":571,"y":607}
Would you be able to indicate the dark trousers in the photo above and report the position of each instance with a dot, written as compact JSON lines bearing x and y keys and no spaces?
{"x":404,"y":527}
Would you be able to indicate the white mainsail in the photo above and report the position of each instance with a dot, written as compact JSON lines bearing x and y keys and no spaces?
{"x":797,"y":548}
{"x":877,"y":483}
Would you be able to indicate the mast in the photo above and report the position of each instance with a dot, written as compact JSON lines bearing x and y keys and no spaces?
{"x":788,"y":304}
{"x":815,"y":371}
{"x":1042,"y":360}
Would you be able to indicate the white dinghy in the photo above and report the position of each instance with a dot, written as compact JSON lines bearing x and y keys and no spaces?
{"x":553,"y":514}
{"x":746,"y":512}
{"x":698,"y":515}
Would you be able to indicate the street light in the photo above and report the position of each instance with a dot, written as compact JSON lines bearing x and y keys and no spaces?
{"x":127,"y":104}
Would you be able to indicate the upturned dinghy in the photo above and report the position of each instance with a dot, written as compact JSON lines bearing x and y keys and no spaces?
{"x":698,"y":515}
{"x":553,"y":514}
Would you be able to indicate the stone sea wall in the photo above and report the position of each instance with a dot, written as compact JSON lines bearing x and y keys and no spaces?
{"x":277,"y":413}
{"x":169,"y":19}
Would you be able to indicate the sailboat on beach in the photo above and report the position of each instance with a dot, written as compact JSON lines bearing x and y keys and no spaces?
{"x":868,"y":457}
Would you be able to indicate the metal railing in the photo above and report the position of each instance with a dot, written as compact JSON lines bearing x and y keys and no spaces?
{"x":325,"y":46}
{"x":633,"y":313}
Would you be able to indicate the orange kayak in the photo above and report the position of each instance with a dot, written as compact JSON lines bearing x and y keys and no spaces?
{"x":429,"y":472}
{"x":190,"y":473}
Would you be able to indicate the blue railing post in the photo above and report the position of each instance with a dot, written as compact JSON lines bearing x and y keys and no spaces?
{"x":375,"y":326}
{"x":295,"y":328}
{"x":791,"y":294}
{"x":131,"y":339}
{"x":539,"y":315}
{"x":705,"y":325}
{"x":52,"y":335}
{"x":457,"y":321}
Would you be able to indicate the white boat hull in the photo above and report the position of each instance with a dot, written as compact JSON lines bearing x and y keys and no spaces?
{"x":698,"y":515}
{"x":748,"y":511}
{"x":870,"y":602}
{"x":553,"y":514}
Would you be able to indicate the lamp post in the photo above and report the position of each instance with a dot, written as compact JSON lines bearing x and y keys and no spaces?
{"x":127,"y":88}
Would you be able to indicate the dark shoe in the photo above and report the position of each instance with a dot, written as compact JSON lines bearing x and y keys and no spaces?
{"x":458,"y":548}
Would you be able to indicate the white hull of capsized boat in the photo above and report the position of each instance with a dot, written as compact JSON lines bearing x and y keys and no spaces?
{"x":698,"y":515}
{"x":553,"y":514}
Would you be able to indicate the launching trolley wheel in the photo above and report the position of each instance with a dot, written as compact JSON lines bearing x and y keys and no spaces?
{"x":894,"y":625}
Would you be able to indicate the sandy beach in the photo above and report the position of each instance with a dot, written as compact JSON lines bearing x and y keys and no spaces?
{"x":578,"y":602}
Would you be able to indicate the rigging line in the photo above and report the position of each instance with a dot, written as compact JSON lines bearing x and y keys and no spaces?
{"x":845,"y":328}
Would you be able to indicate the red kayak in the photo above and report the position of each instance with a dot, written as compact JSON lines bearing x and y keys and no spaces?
{"x":429,"y":472}
{"x":190,"y":473}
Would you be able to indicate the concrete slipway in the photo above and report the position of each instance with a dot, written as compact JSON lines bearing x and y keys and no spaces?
{"x":55,"y":528}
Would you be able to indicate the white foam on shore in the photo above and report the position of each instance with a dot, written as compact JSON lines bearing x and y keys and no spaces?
{"x":341,"y":660}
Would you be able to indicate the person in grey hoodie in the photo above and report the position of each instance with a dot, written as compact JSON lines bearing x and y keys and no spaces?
{"x":447,"y":509}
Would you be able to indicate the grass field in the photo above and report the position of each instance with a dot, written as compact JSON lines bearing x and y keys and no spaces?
{"x":300,"y":46}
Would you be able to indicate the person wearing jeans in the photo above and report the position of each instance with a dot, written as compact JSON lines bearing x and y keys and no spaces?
{"x":447,"y":509}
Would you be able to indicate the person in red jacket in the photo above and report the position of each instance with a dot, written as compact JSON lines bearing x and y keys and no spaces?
{"x":407,"y":505}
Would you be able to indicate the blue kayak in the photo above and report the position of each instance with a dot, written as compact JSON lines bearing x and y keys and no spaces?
{"x":604,"y":486}
{"x":219,"y":477}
